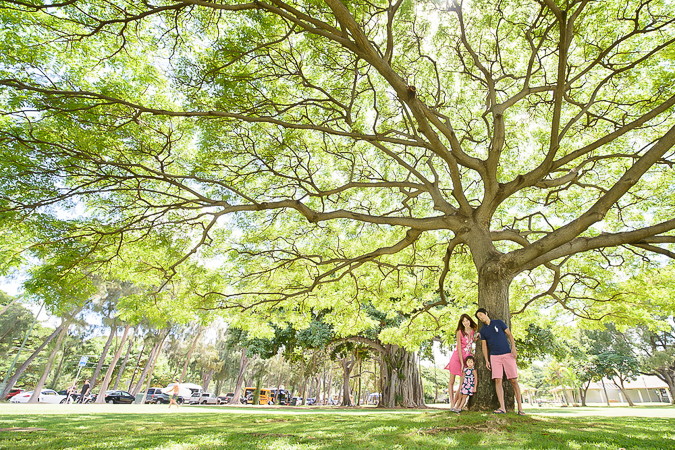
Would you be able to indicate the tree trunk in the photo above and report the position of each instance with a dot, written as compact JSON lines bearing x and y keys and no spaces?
{"x":667,"y":377}
{"x":138,"y":363}
{"x":188,"y":357}
{"x":583,"y":392}
{"x":59,"y":368}
{"x":329,"y":389}
{"x":602,"y":380}
{"x":347,"y":365}
{"x":206,"y":379}
{"x":8,"y":305}
{"x":150,"y":364}
{"x":14,"y":378}
{"x":303,"y":391}
{"x":323,"y":386}
{"x":400,"y":379}
{"x":358,"y":395}
{"x":41,"y":382}
{"x":243,"y":365}
{"x":111,"y":368}
{"x":493,"y":295}
{"x":148,"y":385}
{"x":621,"y":387}
{"x":124,"y":362}
{"x":104,"y":353}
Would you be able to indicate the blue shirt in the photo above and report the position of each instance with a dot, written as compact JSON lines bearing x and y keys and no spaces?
{"x":494,"y":335}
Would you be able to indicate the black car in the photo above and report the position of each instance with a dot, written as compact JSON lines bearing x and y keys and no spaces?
{"x":119,"y":397}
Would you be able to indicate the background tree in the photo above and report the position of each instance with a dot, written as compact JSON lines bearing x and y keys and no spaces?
{"x":656,"y":350}
{"x":14,"y":322}
{"x":614,"y":356}
{"x":363,"y":148}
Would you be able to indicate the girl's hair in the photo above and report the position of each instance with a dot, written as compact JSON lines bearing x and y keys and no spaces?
{"x":460,"y":325}
{"x":469,"y":358}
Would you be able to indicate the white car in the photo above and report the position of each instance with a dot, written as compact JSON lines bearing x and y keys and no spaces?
{"x":204,"y":398}
{"x":46,"y":396}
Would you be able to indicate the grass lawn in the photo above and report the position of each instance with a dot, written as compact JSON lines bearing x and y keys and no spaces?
{"x":190,"y":428}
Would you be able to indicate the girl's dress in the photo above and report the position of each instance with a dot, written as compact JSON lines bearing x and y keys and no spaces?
{"x":466,"y":345}
{"x":469,"y":383}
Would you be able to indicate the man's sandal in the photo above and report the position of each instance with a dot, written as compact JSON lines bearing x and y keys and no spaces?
{"x":520,"y":413}
{"x":498,"y":411}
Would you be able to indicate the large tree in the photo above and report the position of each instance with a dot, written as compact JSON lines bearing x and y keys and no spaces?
{"x":363,"y":145}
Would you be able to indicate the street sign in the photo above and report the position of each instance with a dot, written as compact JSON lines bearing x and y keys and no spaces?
{"x":83,"y":361}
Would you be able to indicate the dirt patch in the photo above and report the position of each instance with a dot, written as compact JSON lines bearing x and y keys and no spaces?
{"x":23,"y":429}
{"x":273,"y":420}
{"x":271,"y":435}
{"x":493,"y":426}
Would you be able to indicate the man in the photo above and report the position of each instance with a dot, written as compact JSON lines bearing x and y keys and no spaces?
{"x":84,"y":391}
{"x":497,"y":339}
{"x":173,"y":392}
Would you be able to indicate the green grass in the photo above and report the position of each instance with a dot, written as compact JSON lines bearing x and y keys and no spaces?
{"x":333,"y":430}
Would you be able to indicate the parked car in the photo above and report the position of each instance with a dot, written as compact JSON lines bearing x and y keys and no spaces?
{"x":296,"y":401}
{"x":13,"y":392}
{"x":46,"y":396}
{"x":204,"y":398}
{"x":156,"y":395}
{"x":119,"y":397}
{"x":310,"y":401}
{"x":281,"y":396}
{"x":225,"y":399}
{"x":228,"y":399}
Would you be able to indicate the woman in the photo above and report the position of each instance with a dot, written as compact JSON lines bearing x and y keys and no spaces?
{"x":466,"y":330}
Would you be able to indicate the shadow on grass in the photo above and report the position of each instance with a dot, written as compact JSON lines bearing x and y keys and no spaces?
{"x":430,"y":429}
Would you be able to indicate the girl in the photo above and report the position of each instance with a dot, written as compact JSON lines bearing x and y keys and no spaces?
{"x":469,"y":384}
{"x":466,"y":330}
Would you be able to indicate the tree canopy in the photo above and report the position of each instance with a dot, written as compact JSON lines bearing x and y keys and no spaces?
{"x":291,"y":156}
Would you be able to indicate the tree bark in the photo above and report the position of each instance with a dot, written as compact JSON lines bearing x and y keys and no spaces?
{"x":104,"y":353}
{"x":303,"y":391}
{"x":111,"y":368}
{"x":400,"y":379}
{"x":150,"y":364}
{"x":667,"y":377}
{"x":188,"y":357}
{"x":124,"y":362}
{"x":493,"y":295}
{"x":206,"y":379}
{"x":621,"y":387}
{"x":50,"y":361}
{"x":8,"y":305}
{"x":59,"y":368}
{"x":329,"y":388}
{"x":243,"y":365}
{"x":17,"y":374}
{"x":347,"y":365}
{"x":138,"y":363}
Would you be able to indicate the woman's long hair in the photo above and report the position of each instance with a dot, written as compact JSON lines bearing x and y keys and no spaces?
{"x":460,"y":325}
